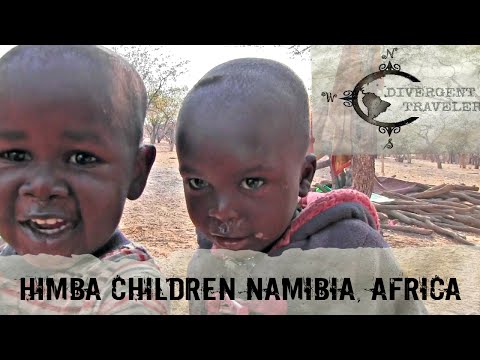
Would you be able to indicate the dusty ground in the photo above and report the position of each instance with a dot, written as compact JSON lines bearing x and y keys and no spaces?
{"x":159,"y":219}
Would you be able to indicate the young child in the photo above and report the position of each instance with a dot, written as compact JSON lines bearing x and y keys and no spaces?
{"x":242,"y":139}
{"x":71,"y":129}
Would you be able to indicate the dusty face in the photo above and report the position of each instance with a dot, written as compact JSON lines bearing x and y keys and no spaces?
{"x":65,"y":172}
{"x":241,"y":176}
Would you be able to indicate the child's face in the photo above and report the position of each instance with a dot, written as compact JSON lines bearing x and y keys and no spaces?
{"x":65,"y":174}
{"x":241,"y":177}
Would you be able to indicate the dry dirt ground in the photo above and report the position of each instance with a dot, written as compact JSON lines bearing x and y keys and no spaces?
{"x":159,"y":220}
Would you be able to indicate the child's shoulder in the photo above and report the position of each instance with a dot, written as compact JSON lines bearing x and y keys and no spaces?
{"x":342,"y":218}
{"x":315,"y":204}
{"x":130,"y":250}
{"x":5,"y":249}
{"x":120,"y":247}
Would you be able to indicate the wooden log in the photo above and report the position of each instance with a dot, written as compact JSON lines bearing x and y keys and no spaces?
{"x":452,"y":199}
{"x":398,"y":202}
{"x":463,"y":228}
{"x":438,"y":218}
{"x":460,"y":220}
{"x":446,"y":221}
{"x":433,"y":193}
{"x":426,"y":206}
{"x":407,"y":189}
{"x":467,"y":220}
{"x":475,"y":194}
{"x":440,"y":211}
{"x":454,"y":210}
{"x":423,"y":204}
{"x":463,"y":196}
{"x":457,"y":238}
{"x":412,"y":194}
{"x":441,"y":204}
{"x":450,"y":203}
{"x":436,"y":187}
{"x":428,"y":225}
{"x":382,"y":216}
{"x":449,"y":197}
{"x":403,"y":218}
{"x":408,"y":229}
{"x":397,"y":195}
{"x":439,"y":215}
{"x":459,"y":210}
{"x":421,"y":212}
{"x":456,"y":226}
{"x":415,"y":216}
{"x":466,"y":187}
{"x":458,"y":187}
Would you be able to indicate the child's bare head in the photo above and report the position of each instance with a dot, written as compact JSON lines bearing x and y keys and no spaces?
{"x":242,"y":137}
{"x":76,"y":73}
{"x":248,"y":89}
{"x":70,"y":154}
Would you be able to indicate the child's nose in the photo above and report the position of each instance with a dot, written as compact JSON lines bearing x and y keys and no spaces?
{"x":224,"y":210}
{"x":43,"y":184}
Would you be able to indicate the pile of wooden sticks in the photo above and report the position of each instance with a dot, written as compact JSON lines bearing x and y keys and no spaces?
{"x":444,"y":209}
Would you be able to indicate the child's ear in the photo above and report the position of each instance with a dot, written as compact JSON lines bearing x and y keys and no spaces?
{"x":145,"y":158}
{"x":308,"y":171}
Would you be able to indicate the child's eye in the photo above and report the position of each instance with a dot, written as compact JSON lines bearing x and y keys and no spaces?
{"x":197,"y":184}
{"x":252,"y":183}
{"x":83,"y":158}
{"x":16,"y":155}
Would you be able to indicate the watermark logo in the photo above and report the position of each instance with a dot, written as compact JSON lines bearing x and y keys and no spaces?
{"x":374,"y":103}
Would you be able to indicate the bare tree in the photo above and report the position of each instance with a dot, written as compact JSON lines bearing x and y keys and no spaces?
{"x":163,"y":115}
{"x":159,"y":72}
{"x":431,"y":133}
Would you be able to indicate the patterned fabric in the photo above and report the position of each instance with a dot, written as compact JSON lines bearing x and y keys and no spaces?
{"x":317,"y":203}
{"x":128,"y":261}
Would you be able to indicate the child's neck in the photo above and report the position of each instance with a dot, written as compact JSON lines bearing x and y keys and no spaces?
{"x":116,"y":241}
{"x":269,"y":247}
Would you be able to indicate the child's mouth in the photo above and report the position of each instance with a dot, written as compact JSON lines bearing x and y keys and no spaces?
{"x":47,"y":227}
{"x":230,"y":243}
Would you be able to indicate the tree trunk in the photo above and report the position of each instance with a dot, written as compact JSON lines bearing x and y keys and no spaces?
{"x":409,"y":158}
{"x":463,"y":161}
{"x":349,"y":133}
{"x":172,"y":144}
{"x":451,"y":157}
{"x":153,"y":138}
{"x":363,"y":171}
{"x":439,"y":161}
{"x":475,"y":161}
{"x":383,"y":164}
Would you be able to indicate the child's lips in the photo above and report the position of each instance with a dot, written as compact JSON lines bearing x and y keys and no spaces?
{"x":46,"y":227}
{"x":230,"y":243}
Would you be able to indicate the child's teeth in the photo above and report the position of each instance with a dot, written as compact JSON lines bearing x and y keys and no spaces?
{"x":52,"y":231}
{"x":52,"y":221}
